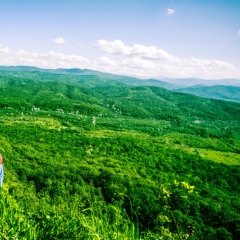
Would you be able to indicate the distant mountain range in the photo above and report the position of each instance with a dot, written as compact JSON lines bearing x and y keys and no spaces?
{"x":188,"y":82}
{"x":225,"y":89}
{"x":230,"y":93}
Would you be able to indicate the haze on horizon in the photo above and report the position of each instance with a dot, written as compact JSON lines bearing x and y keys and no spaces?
{"x":143,"y":38}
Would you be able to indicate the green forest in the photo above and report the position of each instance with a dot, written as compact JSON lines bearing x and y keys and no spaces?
{"x":101,"y":157}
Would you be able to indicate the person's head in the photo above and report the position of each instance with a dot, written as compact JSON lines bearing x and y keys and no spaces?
{"x":1,"y":159}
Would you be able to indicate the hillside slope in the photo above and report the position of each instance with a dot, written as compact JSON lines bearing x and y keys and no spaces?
{"x":228,"y":93}
{"x":100,"y":158}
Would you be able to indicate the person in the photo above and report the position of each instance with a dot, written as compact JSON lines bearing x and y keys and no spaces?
{"x":1,"y":171}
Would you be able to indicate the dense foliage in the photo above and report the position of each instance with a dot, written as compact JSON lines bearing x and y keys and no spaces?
{"x":86,"y":158}
{"x":230,"y":93}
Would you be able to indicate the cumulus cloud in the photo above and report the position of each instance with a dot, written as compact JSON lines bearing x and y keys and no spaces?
{"x":4,"y":49}
{"x":50,"y":59}
{"x":150,"y":61}
{"x":170,"y":11}
{"x":119,"y":48}
{"x":106,"y":61}
{"x":59,"y":40}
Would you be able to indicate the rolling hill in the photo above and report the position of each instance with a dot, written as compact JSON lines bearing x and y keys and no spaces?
{"x":228,"y":93}
{"x":88,"y":156}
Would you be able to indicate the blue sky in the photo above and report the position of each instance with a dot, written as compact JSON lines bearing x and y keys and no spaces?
{"x":144,"y":38}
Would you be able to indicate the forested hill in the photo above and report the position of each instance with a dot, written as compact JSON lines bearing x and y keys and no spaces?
{"x":98,"y":157}
{"x":228,"y":93}
{"x":120,"y":101}
{"x":83,"y":76}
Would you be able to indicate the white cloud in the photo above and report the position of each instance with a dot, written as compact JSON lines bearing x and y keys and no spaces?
{"x":170,"y":11}
{"x":238,"y":33}
{"x":114,"y":47}
{"x":119,"y":48}
{"x":4,"y":49}
{"x":59,"y":40}
{"x":50,"y":59}
{"x":107,"y":61}
{"x":150,"y":61}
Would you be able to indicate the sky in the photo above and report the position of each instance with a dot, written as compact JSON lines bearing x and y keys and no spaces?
{"x":142,"y":38}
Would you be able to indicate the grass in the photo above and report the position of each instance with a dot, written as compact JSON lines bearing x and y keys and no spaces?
{"x":221,"y":157}
{"x":66,"y":220}
{"x":48,"y":123}
{"x":207,"y":148}
{"x":13,"y":222}
{"x":230,"y":158}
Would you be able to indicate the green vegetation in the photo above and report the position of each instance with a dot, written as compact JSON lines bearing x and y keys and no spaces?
{"x":90,"y":158}
{"x":229,"y":93}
